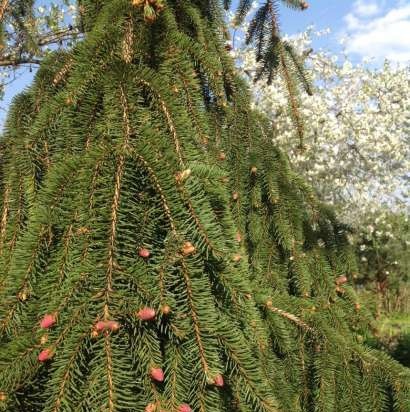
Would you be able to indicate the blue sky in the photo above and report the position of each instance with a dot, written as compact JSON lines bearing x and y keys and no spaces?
{"x":374,"y":28}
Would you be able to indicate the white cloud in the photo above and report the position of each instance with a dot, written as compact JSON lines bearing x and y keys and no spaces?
{"x":365,"y":8}
{"x":379,"y":33}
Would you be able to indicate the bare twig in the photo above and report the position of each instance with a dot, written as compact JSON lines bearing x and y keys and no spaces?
{"x":17,"y":62}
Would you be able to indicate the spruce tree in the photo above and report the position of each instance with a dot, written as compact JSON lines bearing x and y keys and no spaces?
{"x":157,"y":251}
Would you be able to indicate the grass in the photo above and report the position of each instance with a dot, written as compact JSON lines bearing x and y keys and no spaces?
{"x":394,"y":324}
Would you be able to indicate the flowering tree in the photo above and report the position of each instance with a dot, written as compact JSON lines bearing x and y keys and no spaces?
{"x":29,"y":33}
{"x":356,"y":128}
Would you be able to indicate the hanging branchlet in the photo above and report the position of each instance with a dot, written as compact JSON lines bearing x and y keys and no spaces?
{"x":227,"y":4}
{"x":242,"y":11}
{"x":296,"y":4}
{"x":277,"y":57}
{"x":293,"y":97}
{"x":298,"y":71}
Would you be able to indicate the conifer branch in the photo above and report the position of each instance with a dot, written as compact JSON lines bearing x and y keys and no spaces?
{"x":127,"y":43}
{"x":293,"y":318}
{"x":160,"y":191}
{"x":267,"y":405}
{"x":12,"y":310}
{"x":94,"y":183}
{"x":66,"y":247}
{"x":126,"y":119}
{"x":300,"y":70}
{"x":196,"y":219}
{"x":3,"y":221}
{"x":78,"y":284}
{"x":292,"y":94}
{"x":113,"y":232}
{"x":66,"y":376}
{"x":60,"y":75}
{"x":203,"y":136}
{"x":264,"y":31}
{"x":194,"y":317}
{"x":17,"y":227}
{"x":168,"y":118}
{"x":108,"y":353}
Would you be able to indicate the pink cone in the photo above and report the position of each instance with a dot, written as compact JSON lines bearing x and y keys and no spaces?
{"x":157,"y":374}
{"x":144,"y":253}
{"x":101,"y":325}
{"x":146,"y":314}
{"x":184,"y":408}
{"x":113,"y":325}
{"x":219,"y":380}
{"x":341,"y":280}
{"x":151,"y":407}
{"x":48,"y":321}
{"x":45,"y":355}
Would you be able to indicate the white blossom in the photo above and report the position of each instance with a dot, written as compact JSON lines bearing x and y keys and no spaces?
{"x":357,"y":128}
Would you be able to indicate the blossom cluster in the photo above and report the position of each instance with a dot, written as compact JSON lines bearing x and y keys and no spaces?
{"x":357,"y":126}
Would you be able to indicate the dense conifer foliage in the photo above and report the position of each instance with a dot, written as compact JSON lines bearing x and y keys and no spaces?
{"x":157,"y":251}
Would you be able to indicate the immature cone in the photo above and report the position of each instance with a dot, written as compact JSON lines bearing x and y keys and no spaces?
{"x":166,"y":310}
{"x":182,"y":176}
{"x":188,"y":249}
{"x":151,"y":407}
{"x":48,"y":321}
{"x":357,"y":307}
{"x":237,"y":258}
{"x":113,"y":325}
{"x":219,"y":381}
{"x":228,"y":47}
{"x":238,"y":237}
{"x":222,"y":156}
{"x":83,"y":230}
{"x":304,"y":5}
{"x":149,"y":14}
{"x":254,"y":169}
{"x":144,"y":253}
{"x":235,"y":195}
{"x":184,"y":408}
{"x":341,"y":280}
{"x":100,"y":326}
{"x":22,"y":296}
{"x":157,"y":374}
{"x":45,"y":355}
{"x":146,"y":314}
{"x":3,"y":396}
{"x":340,"y":290}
